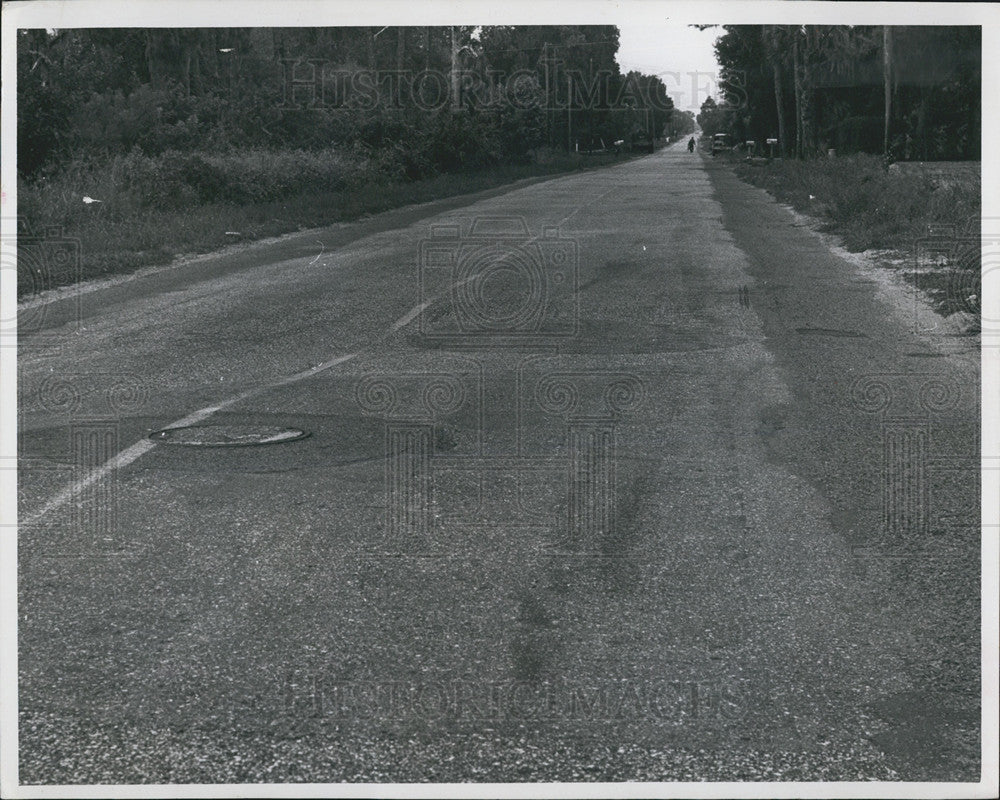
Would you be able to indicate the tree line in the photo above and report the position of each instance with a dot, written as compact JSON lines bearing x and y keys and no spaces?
{"x":428,"y":98}
{"x":905,"y":92}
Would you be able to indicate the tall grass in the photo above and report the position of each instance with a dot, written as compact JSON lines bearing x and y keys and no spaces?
{"x":154,"y":208}
{"x":868,"y":206}
{"x":128,"y":186}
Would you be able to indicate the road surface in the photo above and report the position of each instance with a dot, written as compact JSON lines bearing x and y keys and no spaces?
{"x":622,"y":475}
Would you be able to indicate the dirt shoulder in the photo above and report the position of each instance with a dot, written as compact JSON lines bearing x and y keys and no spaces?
{"x":918,"y":223}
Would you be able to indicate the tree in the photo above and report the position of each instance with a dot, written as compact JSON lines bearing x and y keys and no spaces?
{"x":775,"y":39}
{"x":713,"y":118}
{"x":903,"y":91}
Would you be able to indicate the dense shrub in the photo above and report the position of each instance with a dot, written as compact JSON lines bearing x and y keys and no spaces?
{"x":135,"y":182}
{"x":867,"y":204}
{"x":462,"y":141}
{"x":149,"y":211}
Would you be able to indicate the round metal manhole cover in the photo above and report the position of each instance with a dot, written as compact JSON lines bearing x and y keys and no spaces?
{"x":227,"y":435}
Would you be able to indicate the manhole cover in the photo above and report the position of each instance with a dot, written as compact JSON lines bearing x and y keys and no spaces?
{"x":227,"y":435}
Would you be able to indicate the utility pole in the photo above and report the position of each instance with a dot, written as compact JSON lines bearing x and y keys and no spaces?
{"x":548,"y":104}
{"x":887,"y":84}
{"x":569,"y":111}
{"x":454,"y":69}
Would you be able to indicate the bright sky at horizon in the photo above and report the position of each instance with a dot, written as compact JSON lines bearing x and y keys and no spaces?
{"x":682,"y":56}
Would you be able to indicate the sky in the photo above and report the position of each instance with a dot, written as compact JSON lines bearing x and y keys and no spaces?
{"x":681,"y":55}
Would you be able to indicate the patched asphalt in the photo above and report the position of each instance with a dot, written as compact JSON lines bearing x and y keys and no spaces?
{"x":693,"y":511}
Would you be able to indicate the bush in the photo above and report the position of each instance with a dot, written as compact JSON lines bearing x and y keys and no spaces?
{"x":462,"y":141}
{"x":177,"y":179}
{"x":862,"y":201}
{"x":135,"y":184}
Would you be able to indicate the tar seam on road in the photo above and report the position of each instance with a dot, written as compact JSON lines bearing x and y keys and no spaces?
{"x":133,"y":453}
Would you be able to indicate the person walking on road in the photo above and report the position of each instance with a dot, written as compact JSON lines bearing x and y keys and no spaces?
{"x":691,"y":145}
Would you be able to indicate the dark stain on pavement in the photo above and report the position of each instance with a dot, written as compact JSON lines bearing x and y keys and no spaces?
{"x":826,"y":328}
{"x":924,"y":730}
{"x":831,"y":332}
{"x":532,"y":642}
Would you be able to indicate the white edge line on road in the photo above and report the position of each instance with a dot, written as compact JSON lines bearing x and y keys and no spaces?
{"x":136,"y":451}
{"x":143,"y":446}
{"x":122,"y":459}
{"x":298,"y":376}
{"x":119,"y":460}
{"x":407,"y":318}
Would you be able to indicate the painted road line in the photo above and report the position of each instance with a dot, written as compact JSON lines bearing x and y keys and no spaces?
{"x":131,"y":454}
{"x":118,"y":461}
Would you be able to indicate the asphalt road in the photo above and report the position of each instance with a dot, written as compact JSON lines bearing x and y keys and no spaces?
{"x":622,"y":475}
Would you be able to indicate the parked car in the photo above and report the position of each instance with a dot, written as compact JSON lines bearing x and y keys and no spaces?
{"x":721,"y":142}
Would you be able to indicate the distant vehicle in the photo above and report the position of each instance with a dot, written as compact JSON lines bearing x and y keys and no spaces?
{"x":592,"y":146}
{"x":720,"y":143}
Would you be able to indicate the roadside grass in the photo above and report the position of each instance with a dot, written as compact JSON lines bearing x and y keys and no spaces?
{"x":929,"y":230}
{"x":151,"y":211}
